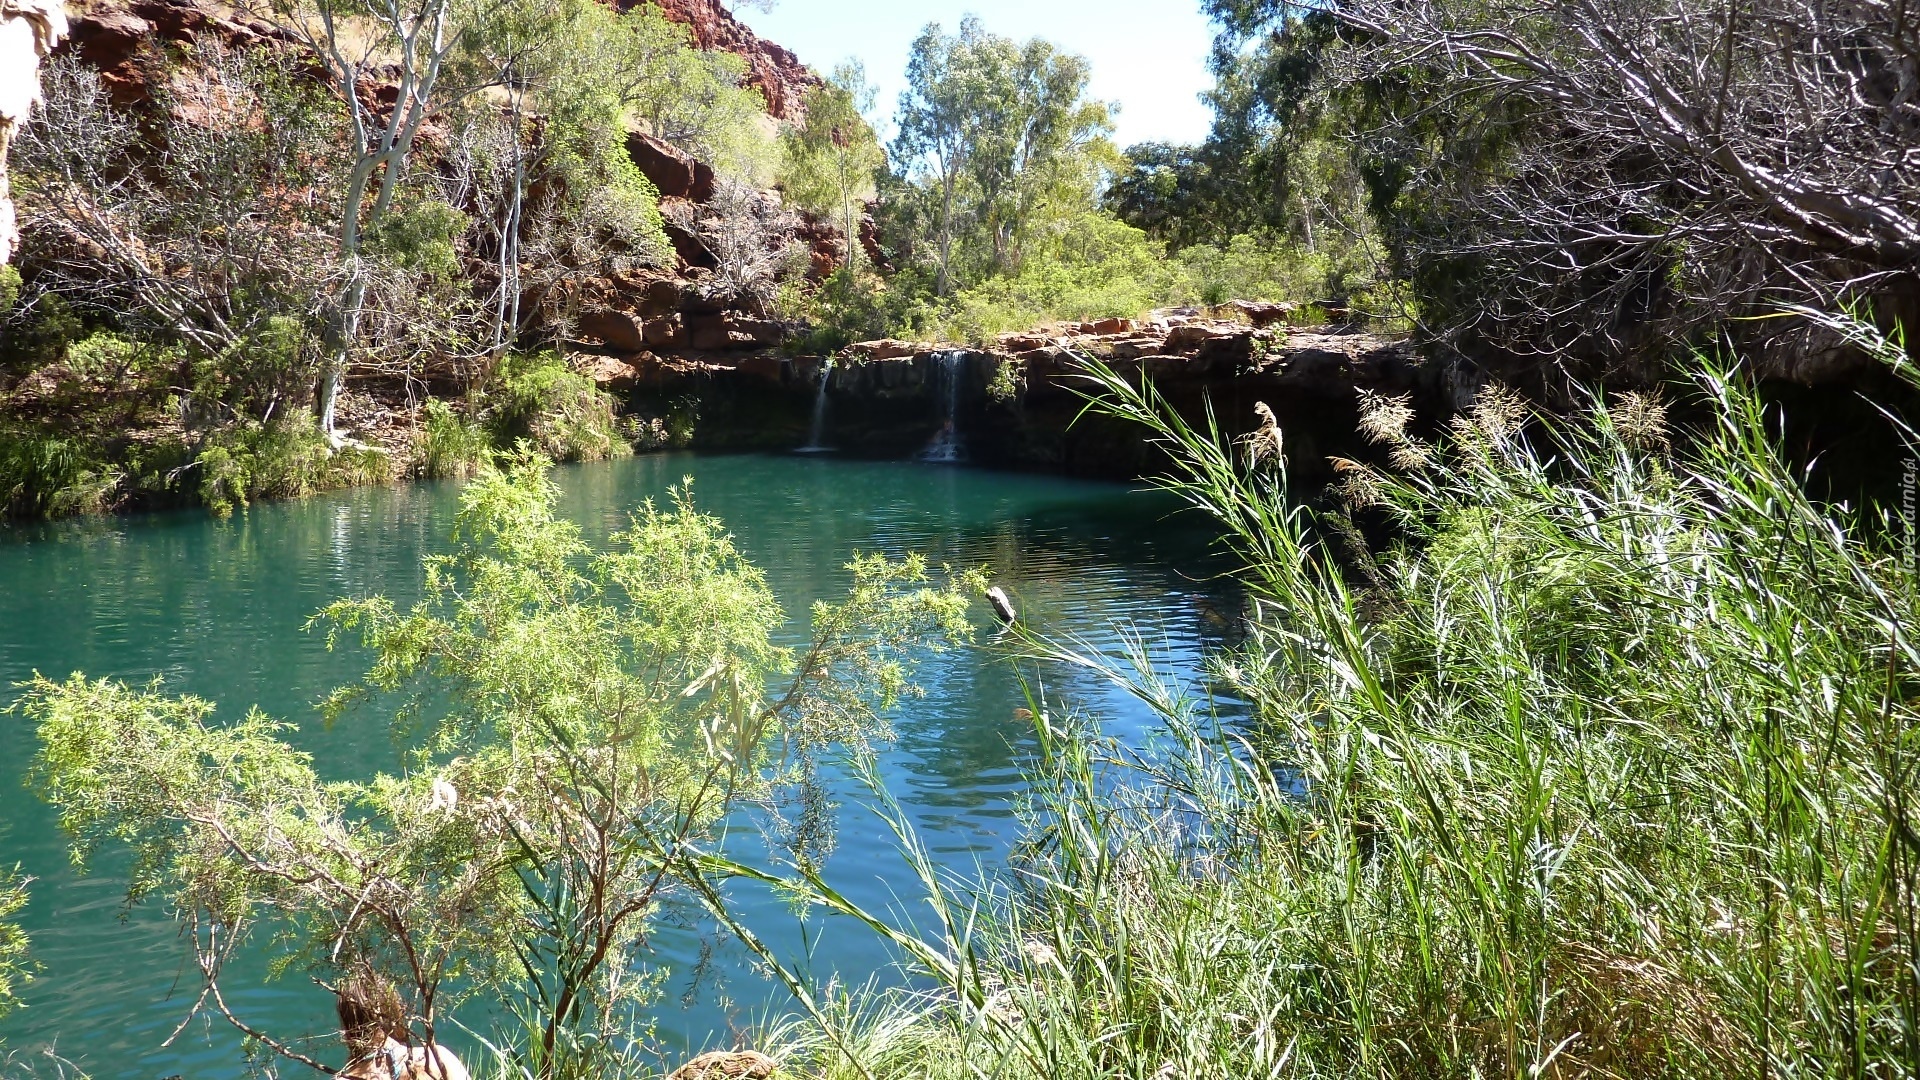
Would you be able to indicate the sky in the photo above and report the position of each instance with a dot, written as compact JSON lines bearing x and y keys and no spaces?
{"x":1150,"y":56}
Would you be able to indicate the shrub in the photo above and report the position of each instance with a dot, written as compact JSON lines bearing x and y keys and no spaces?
{"x":13,"y":940}
{"x":630,"y":694}
{"x":450,"y":446}
{"x":282,"y":460}
{"x":561,"y":412}
{"x":47,"y":476}
{"x":110,"y":358}
{"x":37,"y":333}
{"x":1100,"y":268}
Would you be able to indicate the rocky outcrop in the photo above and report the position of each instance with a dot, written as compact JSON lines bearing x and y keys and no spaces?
{"x":1017,"y":404}
{"x":29,"y":32}
{"x":125,"y":40}
{"x":774,"y":71}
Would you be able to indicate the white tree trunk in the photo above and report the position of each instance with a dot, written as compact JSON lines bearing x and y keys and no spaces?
{"x":29,"y":30}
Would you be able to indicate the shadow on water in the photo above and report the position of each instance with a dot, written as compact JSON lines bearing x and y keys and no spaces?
{"x":216,"y":608}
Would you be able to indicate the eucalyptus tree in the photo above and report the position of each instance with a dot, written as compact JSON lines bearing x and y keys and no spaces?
{"x":1043,"y":154}
{"x":573,"y":722}
{"x":833,"y":156}
{"x":560,"y":82}
{"x":372,"y":51}
{"x":694,"y":98}
{"x":999,"y":135}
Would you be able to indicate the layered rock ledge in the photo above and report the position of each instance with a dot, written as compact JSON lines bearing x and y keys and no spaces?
{"x":1020,"y":402}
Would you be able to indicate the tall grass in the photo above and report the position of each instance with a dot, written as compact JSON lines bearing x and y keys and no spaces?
{"x":1607,"y":768}
{"x":45,"y":475}
{"x":450,"y":446}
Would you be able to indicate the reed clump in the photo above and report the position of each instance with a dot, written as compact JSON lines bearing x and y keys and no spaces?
{"x":1605,"y":768}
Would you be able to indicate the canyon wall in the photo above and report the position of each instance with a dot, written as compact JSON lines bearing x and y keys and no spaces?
{"x":29,"y":31}
{"x":1018,"y":403}
{"x":771,"y":69}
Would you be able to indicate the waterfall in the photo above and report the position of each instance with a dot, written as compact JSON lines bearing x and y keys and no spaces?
{"x":818,"y":430}
{"x":946,"y":445}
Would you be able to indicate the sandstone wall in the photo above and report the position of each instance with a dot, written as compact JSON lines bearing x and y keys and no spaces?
{"x":29,"y":30}
{"x":773,"y":70}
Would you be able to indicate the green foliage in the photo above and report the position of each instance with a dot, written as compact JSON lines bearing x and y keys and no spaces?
{"x":560,"y":411}
{"x":450,"y":446}
{"x":1605,"y":768}
{"x":691,"y":97}
{"x":1099,"y":267}
{"x":9,"y":288}
{"x":45,"y":475}
{"x":626,"y":206}
{"x":14,"y":968}
{"x":545,"y":693}
{"x":36,"y":334}
{"x":998,"y":148}
{"x":1271,"y":267}
{"x":283,"y":460}
{"x":1177,"y":194}
{"x":832,"y":158}
{"x":205,"y":229}
{"x":418,"y":238}
{"x":862,"y":305}
{"x":114,"y":359}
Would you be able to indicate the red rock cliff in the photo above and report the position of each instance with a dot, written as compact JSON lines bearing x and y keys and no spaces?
{"x":775,"y":71}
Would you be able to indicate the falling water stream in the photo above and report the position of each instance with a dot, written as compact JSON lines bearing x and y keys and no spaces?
{"x":947,"y":445}
{"x":818,"y":430}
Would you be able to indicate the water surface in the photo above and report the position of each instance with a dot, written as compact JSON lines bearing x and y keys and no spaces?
{"x":216,"y":609}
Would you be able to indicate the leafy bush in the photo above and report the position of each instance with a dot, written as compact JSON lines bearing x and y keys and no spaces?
{"x":1097,"y":268}
{"x":37,"y":333}
{"x":283,"y":460}
{"x":561,"y":412}
{"x":419,"y":240}
{"x":1100,"y":268}
{"x":629,"y":694}
{"x":856,"y":305}
{"x":13,"y":940}
{"x":44,"y":476}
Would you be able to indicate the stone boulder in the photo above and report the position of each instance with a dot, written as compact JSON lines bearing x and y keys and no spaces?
{"x":608,"y":373}
{"x":1263,"y":315}
{"x":1192,"y":335}
{"x":667,"y":333}
{"x":662,"y":297}
{"x":674,"y":172}
{"x":1136,"y":346}
{"x":762,"y":332}
{"x":620,"y":331}
{"x":1019,"y":343}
